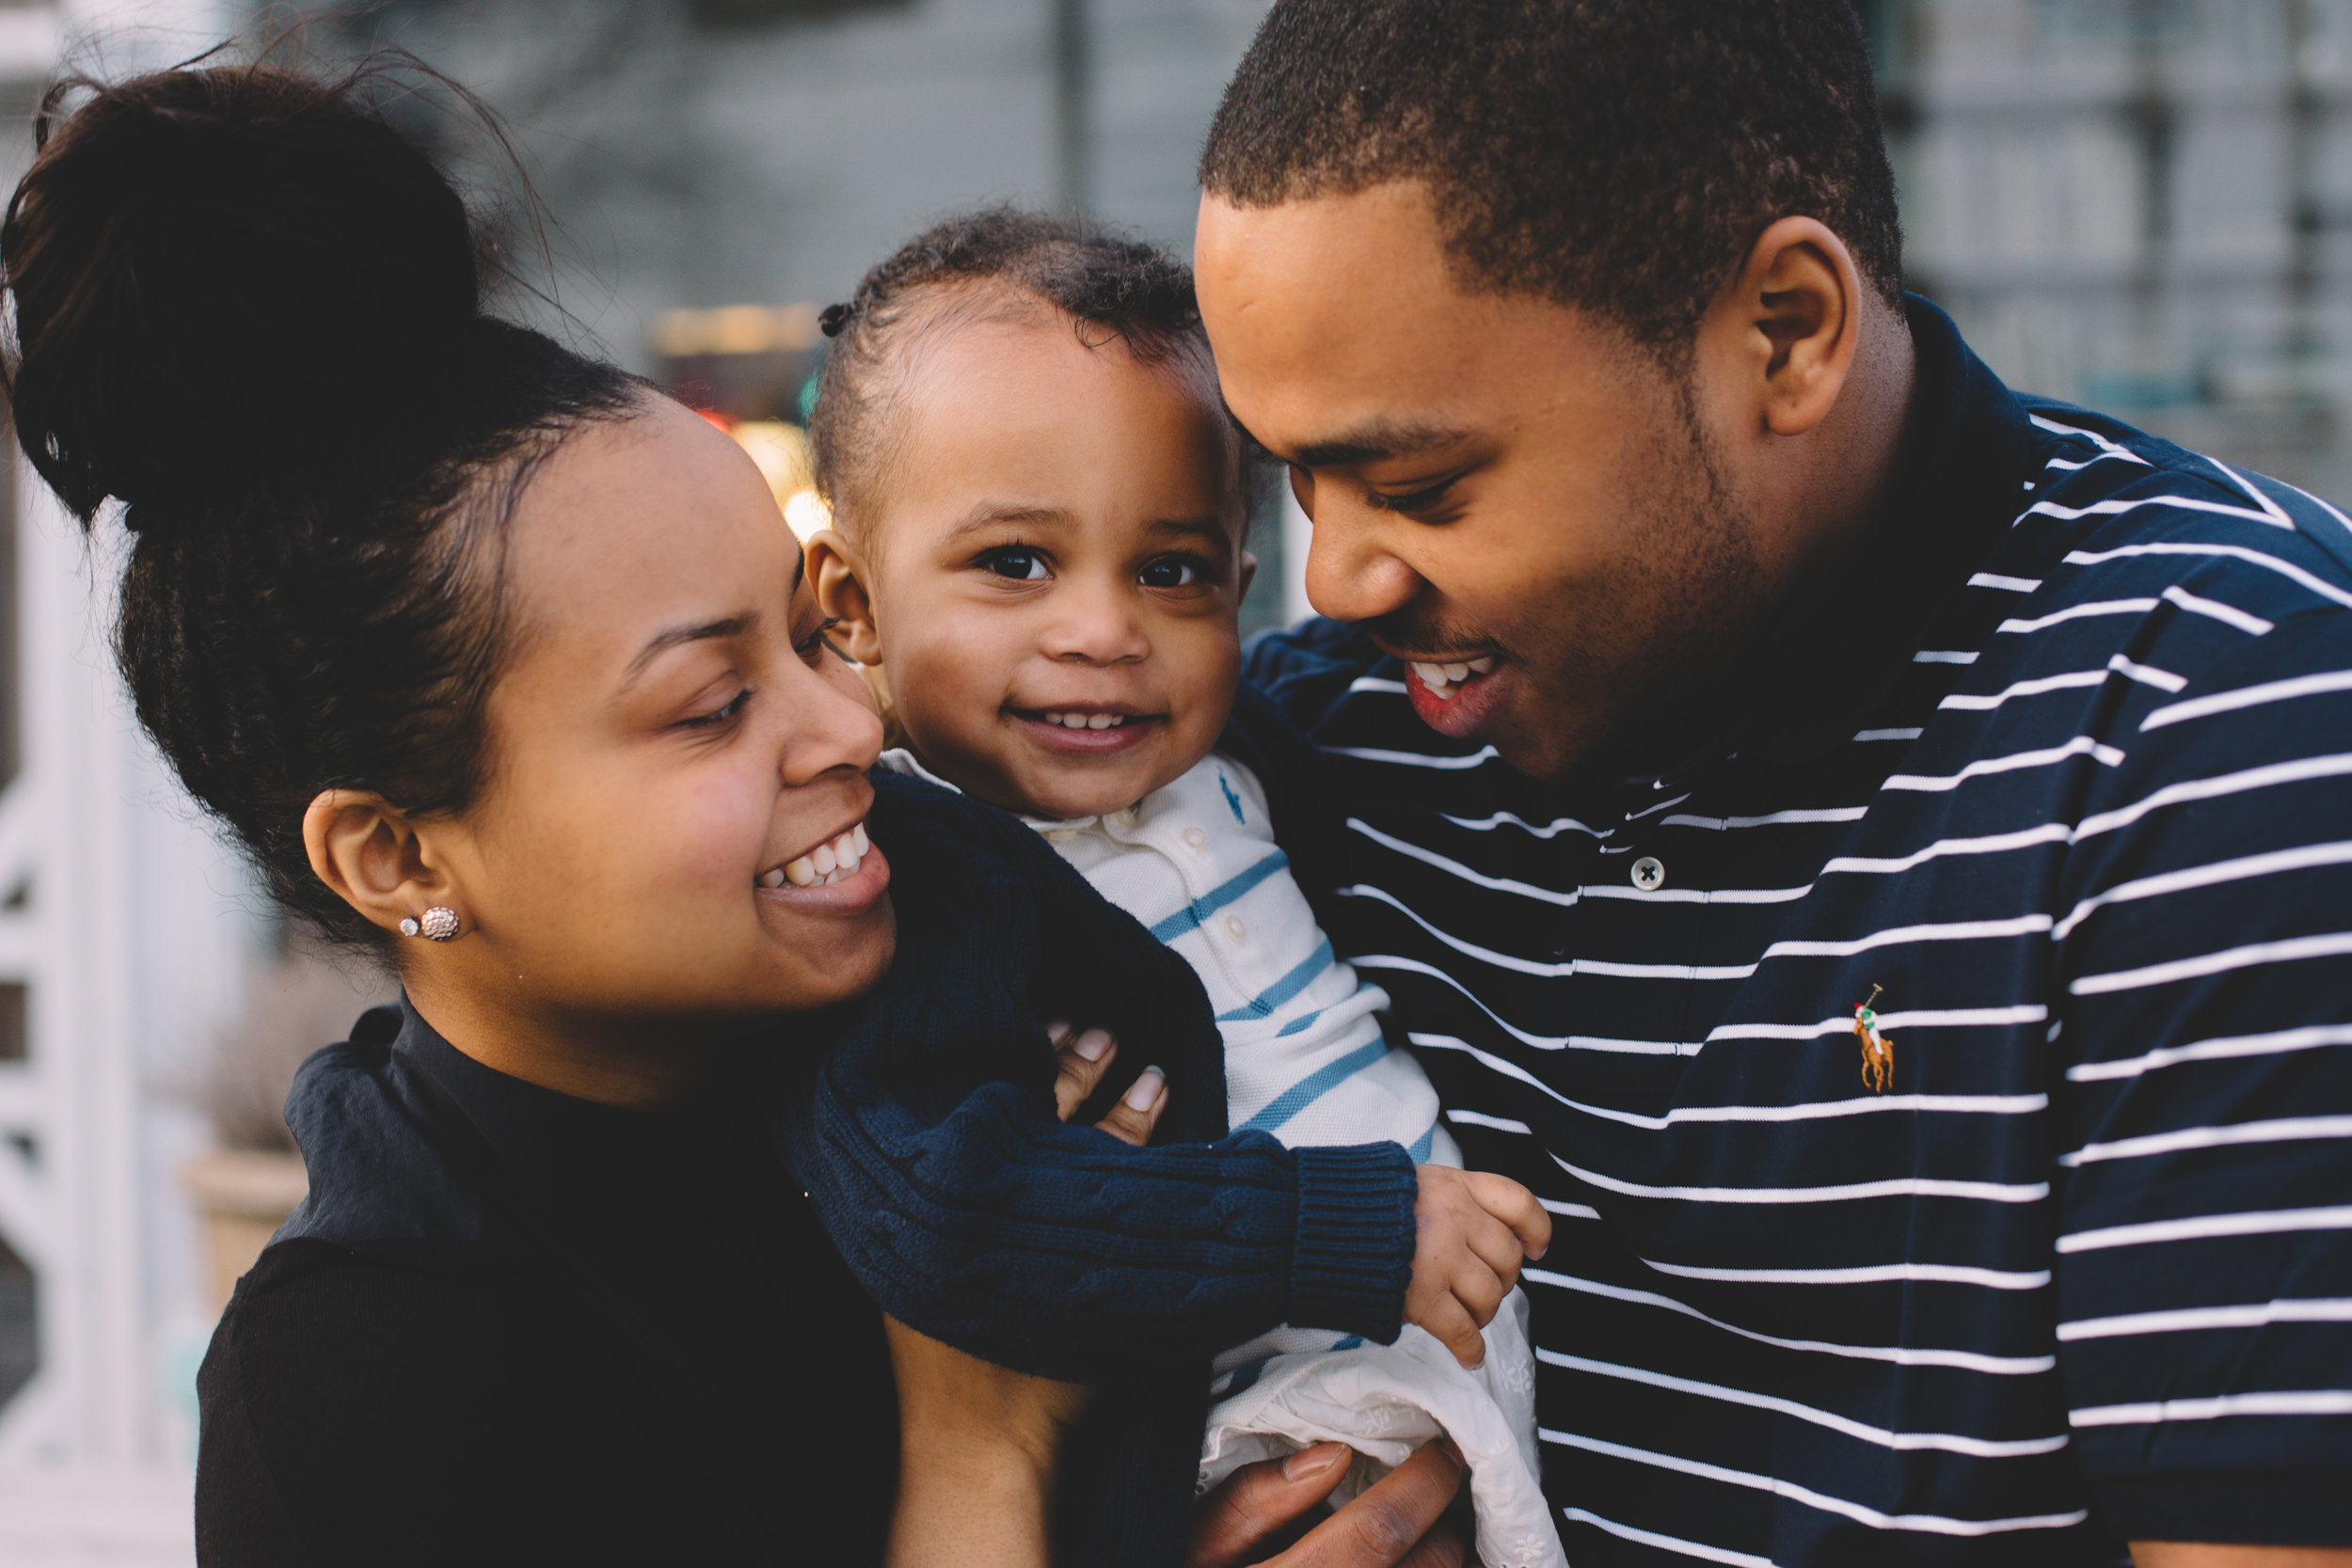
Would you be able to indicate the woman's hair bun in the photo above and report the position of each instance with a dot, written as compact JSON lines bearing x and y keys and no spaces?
{"x":223,"y":280}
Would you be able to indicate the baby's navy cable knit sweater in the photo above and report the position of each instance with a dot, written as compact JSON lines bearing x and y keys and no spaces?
{"x":927,"y":1138}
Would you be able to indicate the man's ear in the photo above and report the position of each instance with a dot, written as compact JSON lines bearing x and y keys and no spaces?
{"x":374,"y":858}
{"x":1786,"y":328}
{"x":838,"y":573}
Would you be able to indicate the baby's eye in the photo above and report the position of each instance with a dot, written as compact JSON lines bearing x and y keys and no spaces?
{"x":1172,"y":571}
{"x":1022,"y":565}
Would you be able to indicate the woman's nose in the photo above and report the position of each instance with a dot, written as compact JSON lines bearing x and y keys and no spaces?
{"x":833,"y":723}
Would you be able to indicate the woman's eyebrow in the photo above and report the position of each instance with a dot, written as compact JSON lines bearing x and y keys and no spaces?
{"x":703,"y":631}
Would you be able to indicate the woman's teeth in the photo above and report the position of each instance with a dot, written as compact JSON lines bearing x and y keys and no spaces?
{"x":827,"y":863}
{"x":1087,"y":720}
{"x":1442,"y":678}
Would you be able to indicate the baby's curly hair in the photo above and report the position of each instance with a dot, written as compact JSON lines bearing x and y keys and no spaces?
{"x":981,"y":265}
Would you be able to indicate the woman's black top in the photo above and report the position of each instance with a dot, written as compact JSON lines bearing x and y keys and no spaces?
{"x":510,"y":1326}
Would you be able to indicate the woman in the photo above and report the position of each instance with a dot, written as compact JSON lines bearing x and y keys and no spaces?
{"x":498,"y":662}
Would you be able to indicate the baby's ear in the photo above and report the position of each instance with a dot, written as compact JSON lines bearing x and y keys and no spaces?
{"x":838,"y":574}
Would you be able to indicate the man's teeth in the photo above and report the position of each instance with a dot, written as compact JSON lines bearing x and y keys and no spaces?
{"x":1442,"y":678}
{"x":1087,"y":720}
{"x":827,"y":863}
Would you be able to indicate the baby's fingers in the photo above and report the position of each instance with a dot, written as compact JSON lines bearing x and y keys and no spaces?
{"x":1138,"y":1110}
{"x":1456,"y":1329}
{"x":1514,"y":1206}
{"x":1081,"y":1058}
{"x":1496,"y":1246}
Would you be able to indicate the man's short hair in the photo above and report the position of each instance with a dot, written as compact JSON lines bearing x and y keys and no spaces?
{"x":1619,"y":156}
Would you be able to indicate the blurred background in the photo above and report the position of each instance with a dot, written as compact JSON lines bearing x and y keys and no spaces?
{"x":2144,"y":205}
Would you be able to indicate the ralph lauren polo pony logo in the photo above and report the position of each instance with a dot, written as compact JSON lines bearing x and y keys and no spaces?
{"x":1878,"y":1052}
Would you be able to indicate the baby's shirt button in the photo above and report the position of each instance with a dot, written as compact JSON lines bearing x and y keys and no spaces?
{"x":1197,"y":838}
{"x":1234,"y":928}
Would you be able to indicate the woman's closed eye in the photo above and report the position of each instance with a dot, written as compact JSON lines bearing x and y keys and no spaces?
{"x":724,"y":714}
{"x":813,"y":647}
{"x":1016,"y":563}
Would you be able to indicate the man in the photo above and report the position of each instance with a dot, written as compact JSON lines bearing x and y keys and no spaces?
{"x":1872,"y":851}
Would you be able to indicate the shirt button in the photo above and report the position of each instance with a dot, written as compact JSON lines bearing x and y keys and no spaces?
{"x":1197,"y":837}
{"x":1648,"y":874}
{"x":1234,"y":928}
{"x":1127,"y":816}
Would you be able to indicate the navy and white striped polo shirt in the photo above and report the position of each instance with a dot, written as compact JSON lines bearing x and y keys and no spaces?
{"x":2062,"y":787}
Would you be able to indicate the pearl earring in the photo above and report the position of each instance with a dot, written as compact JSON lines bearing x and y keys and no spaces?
{"x":439,"y":924}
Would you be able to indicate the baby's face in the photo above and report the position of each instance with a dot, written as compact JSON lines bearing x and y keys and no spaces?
{"x":1057,"y":569}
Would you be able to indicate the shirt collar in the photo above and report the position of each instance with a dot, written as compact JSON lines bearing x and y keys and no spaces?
{"x":900,"y":760}
{"x":563,"y":1152}
{"x":1968,"y":450}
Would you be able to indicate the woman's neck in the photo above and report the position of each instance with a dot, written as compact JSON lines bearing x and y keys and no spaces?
{"x":639,"y":1064}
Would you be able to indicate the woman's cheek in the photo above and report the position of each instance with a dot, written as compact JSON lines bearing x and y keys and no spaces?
{"x":713,"y":831}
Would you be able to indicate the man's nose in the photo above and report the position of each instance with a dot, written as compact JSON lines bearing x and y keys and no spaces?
{"x":1351,"y":575}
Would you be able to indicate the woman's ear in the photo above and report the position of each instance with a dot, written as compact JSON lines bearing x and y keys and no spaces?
{"x":1788,"y":326}
{"x":372,"y":855}
{"x":839,"y":574}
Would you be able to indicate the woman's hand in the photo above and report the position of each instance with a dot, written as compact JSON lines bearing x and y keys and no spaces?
{"x":1394,"y":1525}
{"x":1085,"y":1057}
{"x":978,"y":1444}
{"x":977,"y":1447}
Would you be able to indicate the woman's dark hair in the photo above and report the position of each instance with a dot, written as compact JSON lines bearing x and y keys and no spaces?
{"x":250,"y":311}
{"x":971,"y":268}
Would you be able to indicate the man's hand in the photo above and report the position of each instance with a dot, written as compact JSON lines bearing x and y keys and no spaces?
{"x":1475,"y":1230}
{"x":1389,"y":1527}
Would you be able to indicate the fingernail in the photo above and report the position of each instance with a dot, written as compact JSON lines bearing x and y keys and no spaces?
{"x":1146,"y":1090}
{"x":1537,"y":1256}
{"x":1453,"y":1449}
{"x":1092,"y":1045}
{"x":1307,"y":1464}
{"x":1057,"y":1032}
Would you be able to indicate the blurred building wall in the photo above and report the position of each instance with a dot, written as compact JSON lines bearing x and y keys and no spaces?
{"x":2141,"y":205}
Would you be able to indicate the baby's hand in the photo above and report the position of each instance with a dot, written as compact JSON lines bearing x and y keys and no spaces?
{"x":1476,"y":1231}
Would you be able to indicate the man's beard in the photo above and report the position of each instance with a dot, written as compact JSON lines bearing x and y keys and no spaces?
{"x":1660,"y":642}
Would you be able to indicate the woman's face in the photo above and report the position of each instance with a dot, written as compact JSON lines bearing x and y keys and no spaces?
{"x":671,"y":732}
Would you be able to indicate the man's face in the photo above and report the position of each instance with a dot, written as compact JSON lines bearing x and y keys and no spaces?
{"x":1498,"y":483}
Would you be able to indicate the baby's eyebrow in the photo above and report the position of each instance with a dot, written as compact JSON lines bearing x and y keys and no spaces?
{"x":990,"y":514}
{"x":1214,"y":530}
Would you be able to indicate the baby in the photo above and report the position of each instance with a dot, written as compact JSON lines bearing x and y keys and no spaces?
{"x":1041,"y":517}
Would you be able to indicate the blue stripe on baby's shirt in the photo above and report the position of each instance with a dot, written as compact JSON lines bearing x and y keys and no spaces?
{"x":1298,"y":979}
{"x":1190,"y":917}
{"x":1313,"y":1086}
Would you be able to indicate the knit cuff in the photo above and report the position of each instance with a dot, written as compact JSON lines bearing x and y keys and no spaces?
{"x":1354,"y":1255}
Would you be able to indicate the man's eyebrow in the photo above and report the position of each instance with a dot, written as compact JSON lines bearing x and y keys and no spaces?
{"x":1375,"y":441}
{"x":703,"y":631}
